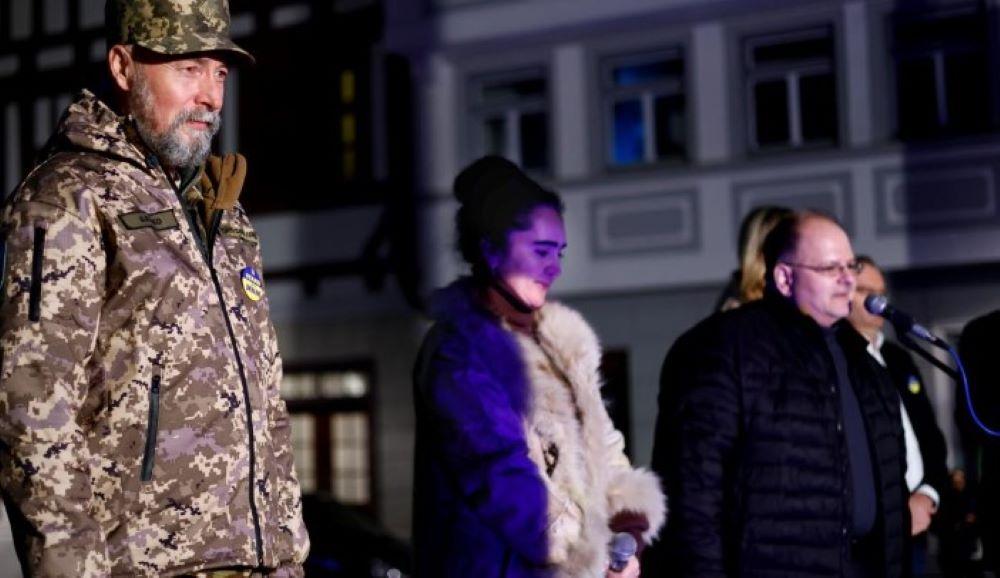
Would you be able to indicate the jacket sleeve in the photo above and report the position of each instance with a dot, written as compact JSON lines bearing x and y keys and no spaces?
{"x":480,"y":438}
{"x":631,"y":490}
{"x":54,"y":280}
{"x":696,"y":435}
{"x":289,"y":491}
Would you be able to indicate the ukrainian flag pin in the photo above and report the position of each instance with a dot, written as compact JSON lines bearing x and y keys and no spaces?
{"x":913,"y":385}
{"x":252,"y":285}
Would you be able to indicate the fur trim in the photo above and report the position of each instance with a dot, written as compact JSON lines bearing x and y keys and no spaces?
{"x":577,"y":450}
{"x":555,"y":383}
{"x":571,"y":341}
{"x":638,"y":490}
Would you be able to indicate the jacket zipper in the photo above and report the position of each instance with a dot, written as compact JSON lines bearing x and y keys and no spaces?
{"x":152,"y":427}
{"x":206,"y":252}
{"x":37,"y":259}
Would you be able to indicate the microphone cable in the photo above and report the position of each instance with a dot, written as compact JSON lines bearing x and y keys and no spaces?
{"x":968,"y":394}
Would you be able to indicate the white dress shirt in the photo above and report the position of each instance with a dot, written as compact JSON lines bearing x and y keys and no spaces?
{"x":914,"y":461}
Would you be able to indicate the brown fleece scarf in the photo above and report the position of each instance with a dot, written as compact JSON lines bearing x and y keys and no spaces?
{"x":221,"y":184}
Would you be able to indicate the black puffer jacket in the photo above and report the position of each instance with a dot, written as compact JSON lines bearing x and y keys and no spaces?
{"x":749,"y":444}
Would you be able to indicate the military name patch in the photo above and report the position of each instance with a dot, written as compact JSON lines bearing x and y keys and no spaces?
{"x":241,"y":234}
{"x":156,"y":221}
{"x":252,"y":285}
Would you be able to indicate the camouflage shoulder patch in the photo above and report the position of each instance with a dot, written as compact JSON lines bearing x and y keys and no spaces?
{"x":156,"y":221}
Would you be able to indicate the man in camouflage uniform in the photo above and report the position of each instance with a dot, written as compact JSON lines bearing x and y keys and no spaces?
{"x":141,"y":428}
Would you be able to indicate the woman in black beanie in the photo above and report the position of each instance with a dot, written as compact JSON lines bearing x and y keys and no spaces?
{"x":519,"y":471}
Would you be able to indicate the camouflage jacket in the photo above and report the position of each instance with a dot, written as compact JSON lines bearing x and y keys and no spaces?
{"x":141,"y":428}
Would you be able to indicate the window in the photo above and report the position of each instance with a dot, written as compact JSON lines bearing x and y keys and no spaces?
{"x":335,"y":151}
{"x":45,"y":57}
{"x":510,"y":117}
{"x":331,"y":429}
{"x":941,"y":70}
{"x":644,"y":108}
{"x":348,"y":125}
{"x":792,"y":90}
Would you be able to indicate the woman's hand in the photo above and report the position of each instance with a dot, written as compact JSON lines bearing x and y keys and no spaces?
{"x":631,"y":570}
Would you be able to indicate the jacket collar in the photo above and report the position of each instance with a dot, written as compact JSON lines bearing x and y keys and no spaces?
{"x":789,"y":315}
{"x":89,"y":124}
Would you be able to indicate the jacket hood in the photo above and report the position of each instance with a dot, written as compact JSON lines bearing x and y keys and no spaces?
{"x":90,"y":125}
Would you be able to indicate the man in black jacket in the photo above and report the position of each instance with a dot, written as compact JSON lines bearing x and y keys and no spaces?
{"x":778,"y":437}
{"x":926,"y":452}
{"x":979,"y":351}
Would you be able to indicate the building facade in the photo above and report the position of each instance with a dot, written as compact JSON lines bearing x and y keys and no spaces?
{"x":663,"y":122}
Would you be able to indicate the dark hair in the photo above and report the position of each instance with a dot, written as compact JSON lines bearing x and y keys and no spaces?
{"x":784,"y":238}
{"x":866,"y":261}
{"x":494,"y":198}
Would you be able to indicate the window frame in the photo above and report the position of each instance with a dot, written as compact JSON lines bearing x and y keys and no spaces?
{"x":476,"y":113}
{"x":758,"y":23}
{"x":610,"y":95}
{"x":792,"y":75}
{"x":33,"y":93}
{"x":888,"y":18}
{"x":326,"y":408}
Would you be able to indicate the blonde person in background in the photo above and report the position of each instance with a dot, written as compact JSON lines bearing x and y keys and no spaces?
{"x":747,"y":282}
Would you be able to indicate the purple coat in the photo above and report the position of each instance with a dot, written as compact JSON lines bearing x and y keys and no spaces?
{"x":479,"y":501}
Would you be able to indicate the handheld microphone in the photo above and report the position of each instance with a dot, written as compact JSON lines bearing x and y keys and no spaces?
{"x":879,"y":305}
{"x":622,"y":548}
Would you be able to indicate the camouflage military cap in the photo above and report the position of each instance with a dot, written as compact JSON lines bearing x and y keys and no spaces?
{"x":172,"y":27}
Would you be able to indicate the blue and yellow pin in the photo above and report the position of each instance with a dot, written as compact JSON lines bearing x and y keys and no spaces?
{"x":253,"y":287}
{"x":913,"y":385}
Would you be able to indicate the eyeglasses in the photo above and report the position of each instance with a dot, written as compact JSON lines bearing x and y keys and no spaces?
{"x":833,"y":269}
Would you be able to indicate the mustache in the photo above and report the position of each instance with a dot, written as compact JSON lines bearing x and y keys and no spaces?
{"x":212,"y":119}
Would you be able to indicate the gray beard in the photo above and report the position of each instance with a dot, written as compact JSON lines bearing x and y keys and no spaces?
{"x":171,"y":147}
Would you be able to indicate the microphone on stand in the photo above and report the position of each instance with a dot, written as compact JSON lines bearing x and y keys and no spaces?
{"x":622,"y":548}
{"x":879,"y":305}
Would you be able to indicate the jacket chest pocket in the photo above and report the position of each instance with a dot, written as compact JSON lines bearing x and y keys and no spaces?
{"x":149,"y":257}
{"x":151,"y":383}
{"x":787,"y":410}
{"x":152,"y":430}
